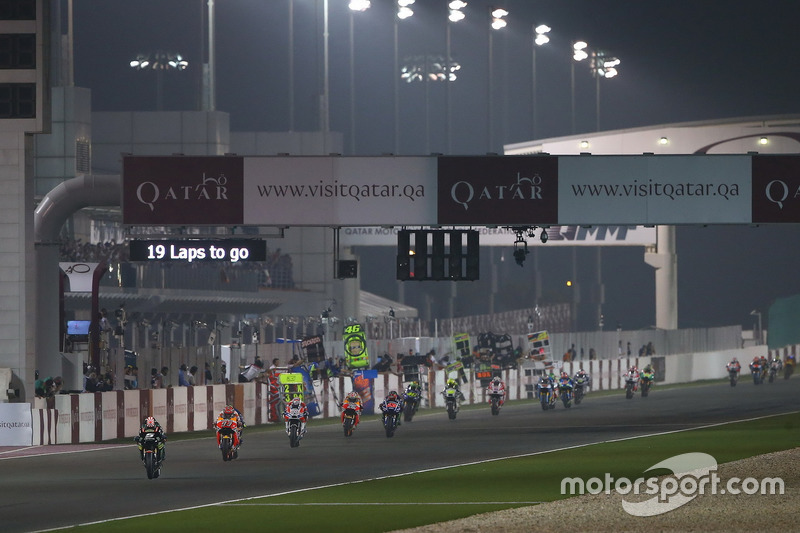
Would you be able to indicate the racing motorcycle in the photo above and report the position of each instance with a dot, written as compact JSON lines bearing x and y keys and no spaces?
{"x":733,"y":372}
{"x":494,"y":398}
{"x":451,"y":401}
{"x":581,"y":382}
{"x":547,"y":394}
{"x":151,"y":447}
{"x":391,"y":417}
{"x":755,"y":369}
{"x":647,"y":379}
{"x":631,"y":385}
{"x":411,"y":401}
{"x":349,"y":421}
{"x":228,"y":439}
{"x":295,"y":427}
{"x":565,"y":390}
{"x":774,"y":367}
{"x":788,"y":367}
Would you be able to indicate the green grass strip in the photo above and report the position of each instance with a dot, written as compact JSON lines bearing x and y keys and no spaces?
{"x":456,"y":492}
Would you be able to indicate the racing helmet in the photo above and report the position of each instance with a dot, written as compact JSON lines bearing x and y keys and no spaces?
{"x":353,"y":396}
{"x":295,"y":402}
{"x":496,"y":379}
{"x":414,"y":385}
{"x":564,"y":375}
{"x":229,"y":411}
{"x":392,"y":395}
{"x":735,"y":360}
{"x":452,"y":383}
{"x":150,"y":422}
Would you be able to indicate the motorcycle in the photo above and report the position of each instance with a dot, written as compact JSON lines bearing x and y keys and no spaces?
{"x":391,"y":417}
{"x":580,"y":388}
{"x":547,"y":395}
{"x":755,"y":369}
{"x":631,"y":385}
{"x":411,"y":401}
{"x":451,"y":401}
{"x":734,"y":377}
{"x":228,"y":439}
{"x":349,"y":422}
{"x":295,"y":428}
{"x":774,"y":367}
{"x":151,"y":447}
{"x":788,"y":368}
{"x":565,"y":390}
{"x":647,"y":382}
{"x":495,"y":398}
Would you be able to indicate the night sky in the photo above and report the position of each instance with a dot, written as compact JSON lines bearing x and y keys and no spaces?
{"x":680,"y":61}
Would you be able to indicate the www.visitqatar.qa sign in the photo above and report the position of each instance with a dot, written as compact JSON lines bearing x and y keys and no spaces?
{"x":460,"y":191}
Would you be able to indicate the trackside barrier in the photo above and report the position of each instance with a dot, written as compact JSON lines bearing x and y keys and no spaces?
{"x":93,"y":417}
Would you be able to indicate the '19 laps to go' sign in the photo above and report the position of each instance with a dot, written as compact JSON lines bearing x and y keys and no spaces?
{"x":223,"y":250}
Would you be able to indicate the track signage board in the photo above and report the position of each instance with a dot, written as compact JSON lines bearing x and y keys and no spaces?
{"x":541,"y":190}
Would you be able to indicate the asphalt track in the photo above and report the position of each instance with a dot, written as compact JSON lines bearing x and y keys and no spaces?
{"x":43,"y":488}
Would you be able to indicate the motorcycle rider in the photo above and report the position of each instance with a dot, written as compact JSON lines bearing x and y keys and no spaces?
{"x":352,"y":401}
{"x":151,"y":425}
{"x":582,"y":378}
{"x":453,"y":384}
{"x":392,"y":403}
{"x":229,"y":412}
{"x":734,"y":366}
{"x":413,"y":393}
{"x":297,"y":408}
{"x":496,"y":386}
{"x":564,"y":380}
{"x":633,"y":375}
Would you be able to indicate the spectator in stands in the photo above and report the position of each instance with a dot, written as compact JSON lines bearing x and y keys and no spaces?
{"x":274,"y":366}
{"x":164,"y":371}
{"x":156,"y":379}
{"x":183,"y":381}
{"x":190,"y":377}
{"x":90,"y":383}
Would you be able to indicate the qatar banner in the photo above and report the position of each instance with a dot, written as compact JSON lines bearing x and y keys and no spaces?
{"x":16,"y":427}
{"x":613,"y":191}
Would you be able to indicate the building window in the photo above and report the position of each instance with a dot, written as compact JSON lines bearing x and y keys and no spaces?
{"x":18,"y":51}
{"x":17,"y":9}
{"x":17,"y":100}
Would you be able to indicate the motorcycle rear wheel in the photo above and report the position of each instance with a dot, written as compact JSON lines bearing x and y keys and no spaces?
{"x":348,"y":427}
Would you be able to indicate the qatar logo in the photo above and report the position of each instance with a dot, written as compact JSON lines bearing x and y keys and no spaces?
{"x":463,"y":192}
{"x":149,"y":193}
{"x":777,"y":192}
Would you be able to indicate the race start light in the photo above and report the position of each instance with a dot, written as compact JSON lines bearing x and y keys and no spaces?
{"x":189,"y":251}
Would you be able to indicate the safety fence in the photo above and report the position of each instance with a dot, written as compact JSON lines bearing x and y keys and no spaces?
{"x":95,"y":417}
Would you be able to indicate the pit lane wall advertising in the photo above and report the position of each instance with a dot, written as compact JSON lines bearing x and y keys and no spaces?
{"x":543,"y":190}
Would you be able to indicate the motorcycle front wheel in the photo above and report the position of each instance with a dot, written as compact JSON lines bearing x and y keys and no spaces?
{"x":294,"y":436}
{"x":150,"y":464}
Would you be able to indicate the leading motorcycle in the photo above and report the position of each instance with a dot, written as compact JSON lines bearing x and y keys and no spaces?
{"x":152,"y":454}
{"x":755,"y":369}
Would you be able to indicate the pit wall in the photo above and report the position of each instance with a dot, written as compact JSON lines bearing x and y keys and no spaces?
{"x":95,"y":417}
